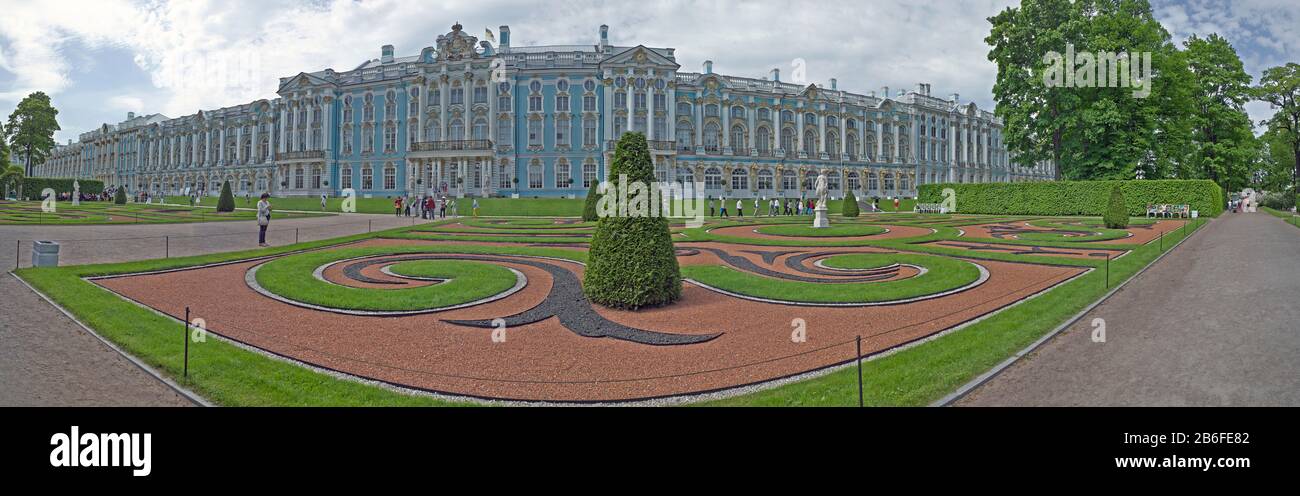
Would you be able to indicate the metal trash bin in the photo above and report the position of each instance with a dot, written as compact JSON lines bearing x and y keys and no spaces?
{"x":45,"y":254}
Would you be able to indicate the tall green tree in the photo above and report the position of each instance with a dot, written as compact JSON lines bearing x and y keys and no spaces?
{"x":31,"y":128}
{"x":1090,"y":129}
{"x":1280,"y":87}
{"x":1276,"y":161}
{"x":1223,"y":147}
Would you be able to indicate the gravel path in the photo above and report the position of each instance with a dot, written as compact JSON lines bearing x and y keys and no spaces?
{"x":1214,"y":323}
{"x":48,"y":360}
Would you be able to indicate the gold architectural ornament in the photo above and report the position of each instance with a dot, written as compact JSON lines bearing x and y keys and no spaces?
{"x":640,"y":56}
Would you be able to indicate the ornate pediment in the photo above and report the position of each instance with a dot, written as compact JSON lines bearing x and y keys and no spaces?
{"x":640,"y":56}
{"x":456,"y":45}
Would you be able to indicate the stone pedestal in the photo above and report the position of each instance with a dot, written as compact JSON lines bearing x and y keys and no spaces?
{"x":819,"y":217}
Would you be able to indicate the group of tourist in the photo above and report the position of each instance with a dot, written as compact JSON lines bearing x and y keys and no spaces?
{"x":429,"y":207}
{"x":773,"y":207}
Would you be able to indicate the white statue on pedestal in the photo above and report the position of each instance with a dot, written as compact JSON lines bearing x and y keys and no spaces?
{"x":76,"y":192}
{"x":819,"y":212}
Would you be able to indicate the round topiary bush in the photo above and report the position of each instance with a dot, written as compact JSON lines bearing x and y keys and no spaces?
{"x":1116,"y":216}
{"x":589,"y":207}
{"x":630,"y":263}
{"x":850,"y":205}
{"x":120,"y":197}
{"x":227,"y":201}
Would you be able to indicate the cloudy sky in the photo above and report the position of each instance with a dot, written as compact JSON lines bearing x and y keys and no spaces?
{"x":100,"y":59}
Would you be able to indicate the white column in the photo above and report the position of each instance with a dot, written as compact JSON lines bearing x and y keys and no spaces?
{"x":798,"y":131}
{"x":444,"y":96}
{"x":326,"y":129}
{"x":492,"y":111}
{"x":650,"y":111}
{"x":670,"y":101}
{"x":821,"y":134}
{"x":631,"y":95}
{"x":844,"y":147}
{"x":254,"y":147}
{"x":724,"y":115}
{"x":283,"y":144}
{"x":311,"y":117}
{"x":880,"y":140}
{"x":698,"y":106}
{"x":752,"y":132}
{"x":419,"y":115}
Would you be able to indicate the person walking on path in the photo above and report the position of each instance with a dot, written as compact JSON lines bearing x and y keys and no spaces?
{"x":723,"y":211}
{"x":711,"y":209}
{"x":755,"y":206}
{"x":740,"y":208}
{"x":476,"y":208}
{"x":263,"y":218}
{"x":397,"y":207}
{"x":442,"y":207}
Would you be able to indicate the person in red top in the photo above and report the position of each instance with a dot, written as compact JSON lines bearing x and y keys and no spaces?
{"x":895,"y":203}
{"x":397,"y":206}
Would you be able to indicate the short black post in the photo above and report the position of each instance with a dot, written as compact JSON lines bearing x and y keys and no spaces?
{"x":186,"y":372}
{"x":167,"y":246}
{"x":368,"y":225}
{"x":1162,"y":241}
{"x":859,"y":360}
{"x":18,"y":252}
{"x":295,"y":235}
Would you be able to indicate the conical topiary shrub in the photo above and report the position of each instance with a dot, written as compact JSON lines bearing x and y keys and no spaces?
{"x":589,"y":208}
{"x":227,"y":201}
{"x":631,"y":263}
{"x":120,"y":197}
{"x":850,"y":204}
{"x":1116,"y":213}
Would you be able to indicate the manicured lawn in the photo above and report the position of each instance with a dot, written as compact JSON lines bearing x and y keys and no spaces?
{"x":944,"y":274}
{"x":837,"y":230}
{"x":1289,"y":217}
{"x":924,"y":373}
{"x":291,"y":277}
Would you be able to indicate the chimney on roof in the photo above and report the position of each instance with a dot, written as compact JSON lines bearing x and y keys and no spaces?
{"x":386,"y":54}
{"x":604,"y":36}
{"x":708,"y":67}
{"x":871,"y":94}
{"x":955,"y":97}
{"x":776,"y":74}
{"x":130,"y":115}
{"x":833,"y":84}
{"x":884,"y":91}
{"x":504,"y":39}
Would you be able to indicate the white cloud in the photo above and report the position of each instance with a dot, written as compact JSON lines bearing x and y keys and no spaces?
{"x":203,"y":54}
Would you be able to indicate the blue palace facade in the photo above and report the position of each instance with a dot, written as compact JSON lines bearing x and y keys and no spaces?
{"x":470,"y":118}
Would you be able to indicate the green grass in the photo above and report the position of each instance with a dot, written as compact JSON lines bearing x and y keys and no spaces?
{"x":291,"y":277}
{"x":943,"y":274}
{"x":924,"y":373}
{"x":220,"y":372}
{"x":1289,"y":217}
{"x":837,"y":230}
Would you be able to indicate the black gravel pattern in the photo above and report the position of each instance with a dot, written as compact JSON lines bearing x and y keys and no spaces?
{"x":567,"y":302}
{"x":797,"y":263}
{"x":769,"y":257}
{"x":744,"y":264}
{"x":1014,"y":250}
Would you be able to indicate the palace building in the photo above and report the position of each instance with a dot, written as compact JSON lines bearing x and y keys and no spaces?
{"x":470,"y":118}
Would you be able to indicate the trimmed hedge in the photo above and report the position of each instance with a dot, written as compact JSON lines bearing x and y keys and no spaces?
{"x":227,"y":201}
{"x":1116,"y":217}
{"x":850,"y":205}
{"x":589,"y":205}
{"x":1077,"y":197}
{"x":631,"y":262}
{"x":32,"y":186}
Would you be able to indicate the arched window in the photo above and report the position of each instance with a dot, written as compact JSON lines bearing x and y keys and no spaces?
{"x":832,"y":142}
{"x":480,"y":129}
{"x":685,"y":135}
{"x":765,"y":180}
{"x":738,"y":137}
{"x":787,"y":139}
{"x":889,"y":181}
{"x":390,"y":137}
{"x":763,"y":140}
{"x":851,"y":143}
{"x":589,"y":173}
{"x":684,"y":109}
{"x":854,"y":183}
{"x":833,"y":181}
{"x":346,"y":177}
{"x":297,"y":178}
{"x":739,"y":179}
{"x":810,"y":142}
{"x":712,"y":137}
{"x":432,"y":131}
{"x":390,"y":176}
{"x":535,"y":174}
{"x":712,"y":178}
{"x":789,"y":180}
{"x":456,"y":132}
{"x":562,"y":173}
